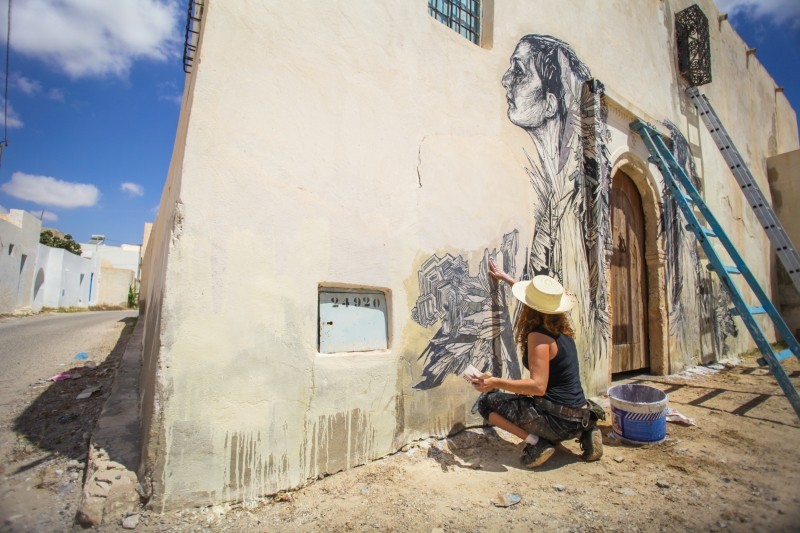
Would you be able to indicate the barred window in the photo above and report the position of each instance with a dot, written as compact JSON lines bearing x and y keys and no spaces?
{"x":463,"y":16}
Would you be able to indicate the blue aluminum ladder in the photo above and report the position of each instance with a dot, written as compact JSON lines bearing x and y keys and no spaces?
{"x":686,"y":195}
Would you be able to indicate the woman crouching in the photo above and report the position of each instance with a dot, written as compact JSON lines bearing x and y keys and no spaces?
{"x":549,"y":406}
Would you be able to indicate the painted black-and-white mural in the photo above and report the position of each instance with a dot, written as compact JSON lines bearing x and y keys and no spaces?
{"x":695,"y":296}
{"x":552,"y":97}
{"x":475,"y":324}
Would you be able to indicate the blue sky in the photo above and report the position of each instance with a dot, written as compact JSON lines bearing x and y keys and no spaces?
{"x":94,"y":96}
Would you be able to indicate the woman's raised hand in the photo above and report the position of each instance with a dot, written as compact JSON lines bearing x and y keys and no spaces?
{"x":498,"y":273}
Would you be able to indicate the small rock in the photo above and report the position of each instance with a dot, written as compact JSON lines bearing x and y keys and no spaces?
{"x":619,"y":458}
{"x":506,"y":500}
{"x":722,"y":524}
{"x":560,"y":488}
{"x":130,"y":522}
{"x":663,"y":484}
{"x":626,"y":491}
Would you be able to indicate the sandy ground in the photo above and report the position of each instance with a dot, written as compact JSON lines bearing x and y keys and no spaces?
{"x":737,"y":469}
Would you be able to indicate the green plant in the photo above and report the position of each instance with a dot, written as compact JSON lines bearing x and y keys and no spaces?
{"x":133,"y":297}
{"x":48,"y":238}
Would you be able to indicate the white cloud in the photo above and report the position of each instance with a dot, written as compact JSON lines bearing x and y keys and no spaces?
{"x":3,"y":209}
{"x":169,"y":92}
{"x":132,"y":189}
{"x":56,"y":94}
{"x":45,"y":216}
{"x":96,"y":37}
{"x":13,"y":120}
{"x":45,"y":190}
{"x":779,"y":11}
{"x":26,"y":85}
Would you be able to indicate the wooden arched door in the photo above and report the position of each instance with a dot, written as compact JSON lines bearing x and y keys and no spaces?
{"x":628,"y":278}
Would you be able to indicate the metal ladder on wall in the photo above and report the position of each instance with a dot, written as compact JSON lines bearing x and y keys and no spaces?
{"x":786,"y":251}
{"x":686,"y":195}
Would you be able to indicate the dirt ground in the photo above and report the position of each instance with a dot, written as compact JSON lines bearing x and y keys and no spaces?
{"x":737,"y":469}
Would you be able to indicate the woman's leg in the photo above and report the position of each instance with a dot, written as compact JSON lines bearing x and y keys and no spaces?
{"x":497,"y":420}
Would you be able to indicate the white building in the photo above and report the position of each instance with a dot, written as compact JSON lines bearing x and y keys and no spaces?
{"x":19,"y":242}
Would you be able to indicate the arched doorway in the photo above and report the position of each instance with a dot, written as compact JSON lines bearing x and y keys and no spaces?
{"x":629,"y":345}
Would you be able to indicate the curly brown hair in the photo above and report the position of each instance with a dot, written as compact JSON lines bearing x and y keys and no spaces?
{"x":529,"y":319}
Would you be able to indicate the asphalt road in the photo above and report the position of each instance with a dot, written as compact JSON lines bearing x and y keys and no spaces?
{"x":40,"y":346}
{"x":44,"y":429}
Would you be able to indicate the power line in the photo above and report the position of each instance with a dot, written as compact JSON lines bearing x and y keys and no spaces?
{"x":4,"y":142}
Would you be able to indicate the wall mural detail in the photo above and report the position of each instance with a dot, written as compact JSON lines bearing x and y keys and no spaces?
{"x":473,"y":312}
{"x":693,"y":297}
{"x":551,"y":96}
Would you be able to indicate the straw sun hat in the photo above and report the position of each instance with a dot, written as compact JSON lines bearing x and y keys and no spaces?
{"x":544,"y":294}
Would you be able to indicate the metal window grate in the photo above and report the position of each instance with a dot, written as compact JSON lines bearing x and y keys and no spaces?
{"x":694,"y":48}
{"x":193,"y":18}
{"x":463,"y":16}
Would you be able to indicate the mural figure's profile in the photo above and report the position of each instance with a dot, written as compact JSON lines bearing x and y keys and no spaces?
{"x":551,"y":97}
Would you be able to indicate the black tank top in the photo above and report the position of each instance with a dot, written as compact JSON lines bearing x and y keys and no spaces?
{"x":564,"y":383}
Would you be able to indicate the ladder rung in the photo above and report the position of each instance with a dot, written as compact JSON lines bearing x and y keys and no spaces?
{"x":751,"y":310}
{"x":728,"y":269}
{"x":708,"y":232}
{"x":780,"y":356}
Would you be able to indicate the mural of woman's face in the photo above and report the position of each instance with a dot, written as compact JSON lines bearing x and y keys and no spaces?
{"x":530,"y":105}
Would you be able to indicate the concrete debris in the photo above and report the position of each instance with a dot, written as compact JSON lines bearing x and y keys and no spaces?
{"x":109,"y":493}
{"x":130,"y":522}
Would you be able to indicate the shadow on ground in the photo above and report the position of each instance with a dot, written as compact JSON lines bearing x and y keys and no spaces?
{"x":59,"y":423}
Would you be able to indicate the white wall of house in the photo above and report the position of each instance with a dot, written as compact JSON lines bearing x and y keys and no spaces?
{"x":19,"y":240}
{"x":62,"y":279}
{"x":119,"y":270}
{"x":368,"y":144}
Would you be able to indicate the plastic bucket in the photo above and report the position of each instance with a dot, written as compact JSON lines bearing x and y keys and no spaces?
{"x":639,"y":413}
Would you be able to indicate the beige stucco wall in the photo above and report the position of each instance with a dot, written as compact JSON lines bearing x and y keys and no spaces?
{"x":784,"y":184}
{"x":348,"y":143}
{"x":115,"y":285}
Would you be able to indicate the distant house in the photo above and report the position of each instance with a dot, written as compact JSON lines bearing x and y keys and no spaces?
{"x":19,"y":243}
{"x":33,"y":276}
{"x":343,"y":172}
{"x":119,"y":269}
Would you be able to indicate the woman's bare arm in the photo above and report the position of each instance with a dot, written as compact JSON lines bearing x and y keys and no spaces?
{"x":541,"y":348}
